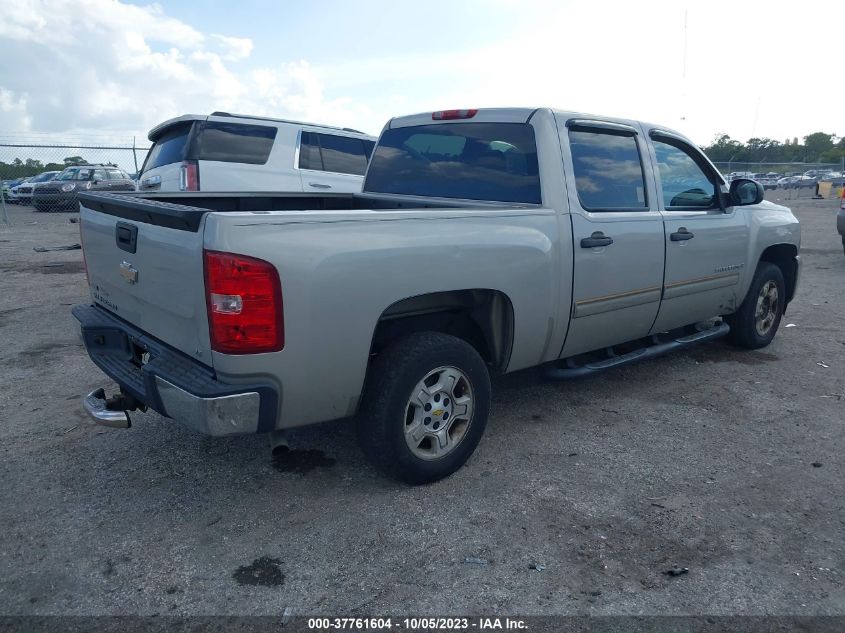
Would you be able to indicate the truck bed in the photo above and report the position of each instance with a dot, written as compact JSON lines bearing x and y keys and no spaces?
{"x":184,"y":211}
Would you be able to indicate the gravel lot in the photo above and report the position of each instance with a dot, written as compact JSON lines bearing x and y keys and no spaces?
{"x":726,"y":462}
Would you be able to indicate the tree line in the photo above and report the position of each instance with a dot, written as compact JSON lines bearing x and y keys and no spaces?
{"x":32,"y":167}
{"x":818,"y":147}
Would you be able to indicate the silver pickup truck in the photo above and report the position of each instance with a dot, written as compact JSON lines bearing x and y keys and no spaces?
{"x":484,"y":242}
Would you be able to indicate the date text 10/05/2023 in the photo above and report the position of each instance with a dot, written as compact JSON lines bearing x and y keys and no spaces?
{"x":417,"y":624}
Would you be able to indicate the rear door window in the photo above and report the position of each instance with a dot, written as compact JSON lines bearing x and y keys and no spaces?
{"x":334,"y":153}
{"x":343,"y":154}
{"x":309,"y":152}
{"x":170,"y":146}
{"x":608,"y":170}
{"x":473,"y":161}
{"x":236,"y":142}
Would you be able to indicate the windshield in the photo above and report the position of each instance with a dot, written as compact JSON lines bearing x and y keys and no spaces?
{"x":48,"y":175}
{"x":76,"y":174}
{"x":474,"y":161}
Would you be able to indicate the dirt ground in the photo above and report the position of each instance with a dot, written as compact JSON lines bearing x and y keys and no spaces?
{"x":579,"y":499}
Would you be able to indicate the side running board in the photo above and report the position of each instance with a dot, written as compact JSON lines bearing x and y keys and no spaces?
{"x":570,"y":371}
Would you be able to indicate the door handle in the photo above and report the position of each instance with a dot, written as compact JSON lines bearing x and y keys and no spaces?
{"x":319,"y":185}
{"x":681,"y":235}
{"x":596,"y":239}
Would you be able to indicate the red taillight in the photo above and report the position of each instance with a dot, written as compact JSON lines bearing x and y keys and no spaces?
{"x":244,"y":298}
{"x":189,"y":176}
{"x":446,"y":115}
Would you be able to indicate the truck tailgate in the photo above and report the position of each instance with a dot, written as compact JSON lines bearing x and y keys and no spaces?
{"x":148,"y":275}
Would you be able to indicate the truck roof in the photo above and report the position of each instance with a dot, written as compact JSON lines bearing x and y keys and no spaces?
{"x":519,"y":115}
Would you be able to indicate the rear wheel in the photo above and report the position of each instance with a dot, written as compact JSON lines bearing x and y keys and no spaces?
{"x":756,"y":322}
{"x":424,"y":408}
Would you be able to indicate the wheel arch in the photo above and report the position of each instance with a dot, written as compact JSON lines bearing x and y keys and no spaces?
{"x":783,"y":256}
{"x":481,"y":316}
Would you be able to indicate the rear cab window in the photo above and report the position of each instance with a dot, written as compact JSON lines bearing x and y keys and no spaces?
{"x":334,"y":153}
{"x":494,"y":162}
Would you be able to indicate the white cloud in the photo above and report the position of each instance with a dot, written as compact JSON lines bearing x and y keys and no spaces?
{"x":94,"y":65}
{"x":90,"y":66}
{"x":14,"y":109}
{"x":234,"y":48}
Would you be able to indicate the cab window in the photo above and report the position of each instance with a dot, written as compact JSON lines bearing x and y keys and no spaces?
{"x":685,"y":182}
{"x":608,"y":170}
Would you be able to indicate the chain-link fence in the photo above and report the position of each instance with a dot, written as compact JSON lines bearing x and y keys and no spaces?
{"x":790,"y":180}
{"x":23,"y":165}
{"x":18,"y":160}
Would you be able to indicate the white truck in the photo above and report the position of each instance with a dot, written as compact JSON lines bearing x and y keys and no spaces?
{"x":485,"y":241}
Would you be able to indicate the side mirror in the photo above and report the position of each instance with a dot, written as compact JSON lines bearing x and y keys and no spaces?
{"x":744,"y":191}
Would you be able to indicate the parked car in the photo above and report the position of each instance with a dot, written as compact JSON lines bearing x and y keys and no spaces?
{"x":796,"y":182}
{"x":7,"y":187}
{"x":233,"y":152}
{"x":62,"y":192}
{"x":767,"y":182}
{"x":13,"y":191}
{"x":22,"y":193}
{"x":740,"y":174}
{"x":830,"y":176}
{"x":485,"y":241}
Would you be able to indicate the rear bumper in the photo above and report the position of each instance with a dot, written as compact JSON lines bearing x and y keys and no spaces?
{"x":172,"y":383}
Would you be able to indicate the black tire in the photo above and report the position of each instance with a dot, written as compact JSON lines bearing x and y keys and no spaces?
{"x":843,"y":243}
{"x":392,"y":378}
{"x":743,"y":322}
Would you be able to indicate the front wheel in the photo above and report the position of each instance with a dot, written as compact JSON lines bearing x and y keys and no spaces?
{"x":424,"y":408}
{"x":756,"y":322}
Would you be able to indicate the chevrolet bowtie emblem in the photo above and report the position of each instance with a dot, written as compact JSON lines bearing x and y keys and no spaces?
{"x":437,"y":412}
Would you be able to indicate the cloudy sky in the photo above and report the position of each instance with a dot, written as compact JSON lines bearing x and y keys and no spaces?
{"x":108,"y":68}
